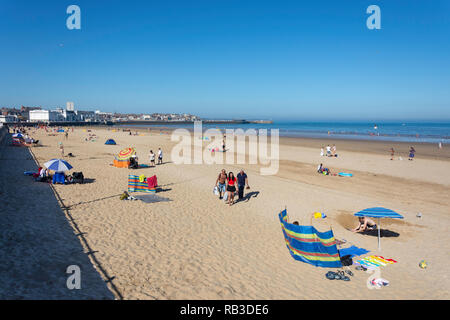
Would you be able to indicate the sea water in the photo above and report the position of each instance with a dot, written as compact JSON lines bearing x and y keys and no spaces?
{"x":431,"y":132}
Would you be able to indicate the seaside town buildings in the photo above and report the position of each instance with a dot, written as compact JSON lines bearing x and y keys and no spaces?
{"x":70,"y":114}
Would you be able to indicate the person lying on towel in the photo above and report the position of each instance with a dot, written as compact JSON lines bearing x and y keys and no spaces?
{"x":365,"y":224}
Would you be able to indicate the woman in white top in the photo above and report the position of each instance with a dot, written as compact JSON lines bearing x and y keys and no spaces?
{"x":152,"y":158}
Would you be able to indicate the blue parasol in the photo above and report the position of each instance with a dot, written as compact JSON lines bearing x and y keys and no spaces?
{"x":379,"y":212}
{"x":58,"y":165}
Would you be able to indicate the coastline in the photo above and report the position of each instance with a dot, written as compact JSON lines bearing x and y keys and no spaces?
{"x":424,"y":149}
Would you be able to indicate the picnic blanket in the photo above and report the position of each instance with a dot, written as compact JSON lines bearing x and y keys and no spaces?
{"x":134,"y":185}
{"x":151,"y":198}
{"x":308,"y":245}
{"x":353,"y":251}
{"x":372,"y":262}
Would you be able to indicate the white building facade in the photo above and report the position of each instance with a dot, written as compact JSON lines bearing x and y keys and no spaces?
{"x":45,"y":116}
{"x":8,"y":119}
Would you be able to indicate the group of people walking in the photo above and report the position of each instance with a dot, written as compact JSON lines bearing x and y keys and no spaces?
{"x":226,"y":185}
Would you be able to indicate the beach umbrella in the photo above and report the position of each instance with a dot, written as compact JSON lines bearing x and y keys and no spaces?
{"x":125,"y":154}
{"x":17,"y":135}
{"x":379,"y":212}
{"x":58,"y":165}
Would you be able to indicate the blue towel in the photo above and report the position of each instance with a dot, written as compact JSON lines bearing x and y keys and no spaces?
{"x":352,"y":251}
{"x":58,"y":177}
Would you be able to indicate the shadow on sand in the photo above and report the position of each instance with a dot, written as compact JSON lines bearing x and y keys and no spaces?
{"x":40,"y":240}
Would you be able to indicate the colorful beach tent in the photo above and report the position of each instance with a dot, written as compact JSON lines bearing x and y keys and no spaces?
{"x":308,"y":245}
{"x":122,"y":160}
{"x":58,"y":165}
{"x":379,"y":212}
{"x":110,"y":142}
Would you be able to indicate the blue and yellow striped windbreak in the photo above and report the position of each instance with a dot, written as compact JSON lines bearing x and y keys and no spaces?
{"x":308,"y":245}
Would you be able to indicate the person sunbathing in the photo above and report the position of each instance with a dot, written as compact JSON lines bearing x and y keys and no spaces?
{"x":365,"y":224}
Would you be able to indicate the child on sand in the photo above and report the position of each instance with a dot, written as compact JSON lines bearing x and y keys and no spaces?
{"x":365,"y":224}
{"x":392,"y":153}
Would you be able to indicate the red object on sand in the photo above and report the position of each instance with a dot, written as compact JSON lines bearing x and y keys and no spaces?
{"x":152,"y":182}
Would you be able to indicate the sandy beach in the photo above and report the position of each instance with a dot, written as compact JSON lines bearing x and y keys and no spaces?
{"x":196,"y":247}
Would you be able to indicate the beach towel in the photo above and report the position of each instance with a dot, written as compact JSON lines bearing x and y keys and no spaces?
{"x":151,"y":198}
{"x":375,"y":262}
{"x":152,"y":182}
{"x":134,"y":185}
{"x":308,"y":245}
{"x":353,"y":251}
{"x":59,"y":177}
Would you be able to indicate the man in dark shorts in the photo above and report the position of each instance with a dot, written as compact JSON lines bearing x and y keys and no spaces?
{"x":221,"y":183}
{"x":242,"y":182}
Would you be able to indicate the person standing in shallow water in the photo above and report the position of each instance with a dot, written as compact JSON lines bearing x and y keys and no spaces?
{"x":412,"y":152}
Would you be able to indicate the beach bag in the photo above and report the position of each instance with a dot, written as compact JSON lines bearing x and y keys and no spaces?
{"x":225,"y":196}
{"x":216,"y":190}
{"x":347,"y":260}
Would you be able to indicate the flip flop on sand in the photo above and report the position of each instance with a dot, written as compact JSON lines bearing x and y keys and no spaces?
{"x":361,"y":268}
{"x":330,"y":275}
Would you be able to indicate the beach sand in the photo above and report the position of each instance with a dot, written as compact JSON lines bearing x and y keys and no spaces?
{"x":196,"y":247}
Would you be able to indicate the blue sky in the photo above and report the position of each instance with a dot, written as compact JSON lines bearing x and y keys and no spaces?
{"x":230,"y":59}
